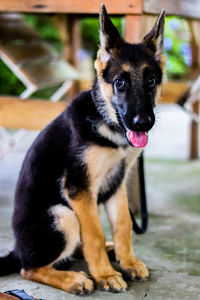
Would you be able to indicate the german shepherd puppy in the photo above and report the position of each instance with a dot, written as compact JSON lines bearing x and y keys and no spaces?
{"x":82,"y":159}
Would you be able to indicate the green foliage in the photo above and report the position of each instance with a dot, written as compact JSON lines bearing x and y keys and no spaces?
{"x":177,"y":48}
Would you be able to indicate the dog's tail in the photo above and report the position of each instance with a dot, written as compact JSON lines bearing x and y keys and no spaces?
{"x":9,"y":264}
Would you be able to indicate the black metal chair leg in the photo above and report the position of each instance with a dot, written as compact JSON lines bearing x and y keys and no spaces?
{"x":143,"y":204}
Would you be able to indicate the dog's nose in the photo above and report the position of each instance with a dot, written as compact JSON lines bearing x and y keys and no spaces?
{"x":142,"y":122}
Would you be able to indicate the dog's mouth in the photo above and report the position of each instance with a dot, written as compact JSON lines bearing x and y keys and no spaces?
{"x":137,"y":139}
{"x":137,"y":136}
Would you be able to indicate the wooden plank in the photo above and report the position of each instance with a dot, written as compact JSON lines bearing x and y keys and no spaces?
{"x":172,"y":91}
{"x":136,"y":27}
{"x":132,"y":28}
{"x":72,"y":6}
{"x":28,"y":114}
{"x":185,"y":8}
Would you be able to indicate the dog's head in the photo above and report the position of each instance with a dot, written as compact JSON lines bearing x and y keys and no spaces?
{"x":129,"y":77}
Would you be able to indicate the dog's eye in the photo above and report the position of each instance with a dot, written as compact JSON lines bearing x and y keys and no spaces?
{"x":151,"y":81}
{"x":120,"y":84}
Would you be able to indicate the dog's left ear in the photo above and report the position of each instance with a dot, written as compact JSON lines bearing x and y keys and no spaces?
{"x":154,"y":39}
{"x":110,"y":38}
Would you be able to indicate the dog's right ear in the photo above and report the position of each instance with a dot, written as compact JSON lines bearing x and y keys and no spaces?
{"x":110,"y":38}
{"x":154,"y":39}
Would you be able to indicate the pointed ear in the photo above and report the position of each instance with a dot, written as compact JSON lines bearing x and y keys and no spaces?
{"x":154,"y":39}
{"x":110,"y":38}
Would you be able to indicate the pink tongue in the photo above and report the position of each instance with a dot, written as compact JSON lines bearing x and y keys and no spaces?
{"x":137,"y":139}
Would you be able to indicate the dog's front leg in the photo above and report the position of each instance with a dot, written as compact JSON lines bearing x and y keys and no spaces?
{"x":94,"y":245}
{"x":119,"y":217}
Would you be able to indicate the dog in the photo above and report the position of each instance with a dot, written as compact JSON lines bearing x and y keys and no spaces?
{"x":82,"y":159}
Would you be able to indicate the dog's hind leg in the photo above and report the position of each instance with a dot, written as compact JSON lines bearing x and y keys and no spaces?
{"x":72,"y":282}
{"x":119,"y":217}
{"x":64,"y":222}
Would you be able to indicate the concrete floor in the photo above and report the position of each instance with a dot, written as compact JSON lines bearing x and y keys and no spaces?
{"x":170,"y":248}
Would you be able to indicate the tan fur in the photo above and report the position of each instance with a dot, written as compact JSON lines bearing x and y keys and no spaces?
{"x":162,"y":62}
{"x":119,"y":217}
{"x":126,"y":67}
{"x":100,"y":63}
{"x":106,"y":91}
{"x":63,"y":217}
{"x":107,"y":94}
{"x":101,"y":160}
{"x":158,"y":92}
{"x":105,"y":88}
{"x":109,"y":248}
{"x":69,"y":281}
{"x":93,"y":241}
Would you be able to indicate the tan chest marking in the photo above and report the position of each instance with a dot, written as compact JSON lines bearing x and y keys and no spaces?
{"x":101,"y":161}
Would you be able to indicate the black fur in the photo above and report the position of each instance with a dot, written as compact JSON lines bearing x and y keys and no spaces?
{"x":9,"y":264}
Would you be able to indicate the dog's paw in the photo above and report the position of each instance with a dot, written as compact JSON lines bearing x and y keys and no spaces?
{"x":77,"y":283}
{"x":136,"y":270}
{"x":111,"y":283}
{"x":81,"y":284}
